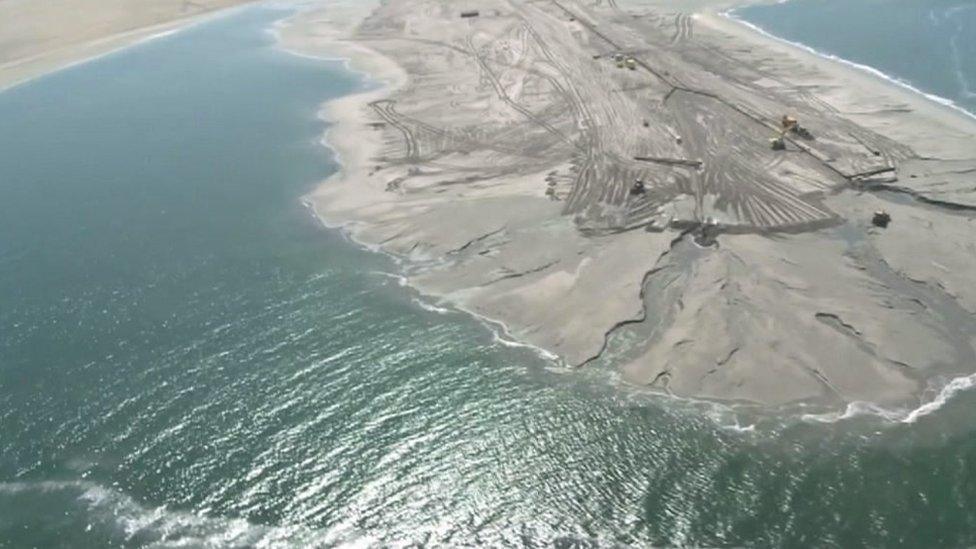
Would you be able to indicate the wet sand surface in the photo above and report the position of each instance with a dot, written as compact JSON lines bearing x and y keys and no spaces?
{"x":499,"y":161}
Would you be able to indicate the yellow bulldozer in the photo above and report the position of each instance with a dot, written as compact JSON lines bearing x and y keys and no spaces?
{"x":788,"y":124}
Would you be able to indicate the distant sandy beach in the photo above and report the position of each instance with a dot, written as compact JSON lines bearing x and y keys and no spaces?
{"x":37,"y":37}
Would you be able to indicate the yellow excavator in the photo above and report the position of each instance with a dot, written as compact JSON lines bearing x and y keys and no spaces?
{"x":778,"y":143}
{"x":788,"y":124}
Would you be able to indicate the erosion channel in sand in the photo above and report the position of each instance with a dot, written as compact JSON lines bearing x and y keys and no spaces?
{"x":500,"y":156}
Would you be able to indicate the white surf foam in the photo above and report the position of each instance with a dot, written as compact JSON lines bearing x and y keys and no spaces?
{"x":346,"y":231}
{"x":163,"y":527}
{"x":431,"y":308}
{"x":898,"y":415}
{"x":751,"y":428}
{"x":501,"y":335}
{"x":951,"y":389}
{"x":399,"y":279}
{"x":945,"y":102}
{"x":852,"y":410}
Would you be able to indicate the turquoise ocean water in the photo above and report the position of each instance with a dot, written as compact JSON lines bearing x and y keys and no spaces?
{"x":188,"y":359}
{"x":928,"y":45}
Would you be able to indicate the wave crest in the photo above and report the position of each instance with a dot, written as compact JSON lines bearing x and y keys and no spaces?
{"x":128,"y":521}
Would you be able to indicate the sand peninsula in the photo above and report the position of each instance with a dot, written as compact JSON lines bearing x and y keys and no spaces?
{"x":38,"y":36}
{"x":499,"y":160}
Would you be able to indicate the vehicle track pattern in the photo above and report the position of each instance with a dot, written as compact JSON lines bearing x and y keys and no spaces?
{"x":542,"y":101}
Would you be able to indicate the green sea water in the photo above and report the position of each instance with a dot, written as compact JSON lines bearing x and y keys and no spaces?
{"x":188,"y":359}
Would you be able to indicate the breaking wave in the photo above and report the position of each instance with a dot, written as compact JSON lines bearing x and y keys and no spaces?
{"x":863,"y":409}
{"x":127,"y":521}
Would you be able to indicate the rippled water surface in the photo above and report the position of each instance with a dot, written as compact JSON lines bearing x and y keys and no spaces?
{"x":187,"y":358}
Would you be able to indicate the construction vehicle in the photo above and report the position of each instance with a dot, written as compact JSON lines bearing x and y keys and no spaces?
{"x":788,"y":124}
{"x":778,"y":143}
{"x":881,"y":219}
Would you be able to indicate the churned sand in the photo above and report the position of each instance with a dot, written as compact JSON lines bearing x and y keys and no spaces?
{"x":499,"y":154}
